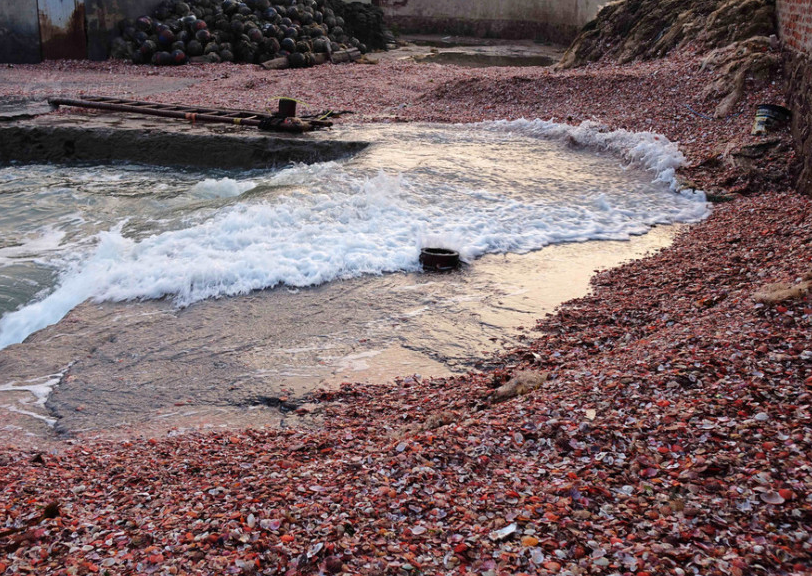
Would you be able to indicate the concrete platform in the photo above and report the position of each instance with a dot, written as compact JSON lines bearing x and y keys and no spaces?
{"x":100,"y":138}
{"x":22,"y":108}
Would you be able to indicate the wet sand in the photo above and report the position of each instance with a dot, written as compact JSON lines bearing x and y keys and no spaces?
{"x":148,"y":367}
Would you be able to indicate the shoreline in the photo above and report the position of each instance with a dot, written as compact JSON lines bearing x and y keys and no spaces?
{"x":671,"y":430}
{"x":606,"y":93}
{"x":151,"y":366}
{"x":427,"y":325}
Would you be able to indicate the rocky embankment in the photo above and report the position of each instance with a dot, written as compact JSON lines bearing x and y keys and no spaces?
{"x":663,"y":426}
{"x":660,"y":425}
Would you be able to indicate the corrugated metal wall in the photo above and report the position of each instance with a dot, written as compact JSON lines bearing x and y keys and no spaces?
{"x":19,"y":31}
{"x":62,"y":29}
{"x":35,"y":30}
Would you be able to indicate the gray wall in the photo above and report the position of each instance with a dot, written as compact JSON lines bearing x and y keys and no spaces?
{"x":553,"y":20}
{"x":19,"y":31}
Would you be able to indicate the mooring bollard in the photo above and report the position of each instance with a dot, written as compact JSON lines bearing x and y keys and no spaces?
{"x":287,"y":108}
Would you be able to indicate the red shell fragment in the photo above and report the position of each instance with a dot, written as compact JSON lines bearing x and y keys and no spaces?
{"x":673,"y":433}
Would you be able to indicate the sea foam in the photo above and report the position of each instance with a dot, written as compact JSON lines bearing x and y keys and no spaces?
{"x":646,"y":150}
{"x":325,"y":222}
{"x":45,"y":240}
{"x":221,"y":188}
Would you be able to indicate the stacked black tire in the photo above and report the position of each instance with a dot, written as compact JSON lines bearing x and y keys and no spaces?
{"x":249,"y":31}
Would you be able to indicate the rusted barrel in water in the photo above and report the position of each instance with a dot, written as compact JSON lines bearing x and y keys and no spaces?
{"x":439,"y":259}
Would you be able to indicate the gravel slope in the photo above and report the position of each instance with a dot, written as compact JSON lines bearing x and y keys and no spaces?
{"x":671,"y":435}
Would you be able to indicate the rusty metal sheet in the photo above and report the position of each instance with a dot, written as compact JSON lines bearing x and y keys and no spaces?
{"x":19,"y":32}
{"x":62,"y":29}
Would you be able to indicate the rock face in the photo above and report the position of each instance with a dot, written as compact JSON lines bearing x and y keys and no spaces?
{"x":799,"y":87}
{"x":647,"y":29}
{"x":523,"y":382}
{"x":733,"y":64}
{"x":784,"y":291}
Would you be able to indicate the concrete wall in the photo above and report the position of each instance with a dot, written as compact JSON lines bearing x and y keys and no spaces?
{"x":552,"y":20}
{"x":795,"y":29}
{"x":19,"y":31}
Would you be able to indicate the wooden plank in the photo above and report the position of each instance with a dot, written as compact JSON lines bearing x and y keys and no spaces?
{"x":62,"y":29}
{"x":150,"y":106}
{"x":348,"y":55}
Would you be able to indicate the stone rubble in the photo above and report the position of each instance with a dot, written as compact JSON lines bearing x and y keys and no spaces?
{"x":672,"y":433}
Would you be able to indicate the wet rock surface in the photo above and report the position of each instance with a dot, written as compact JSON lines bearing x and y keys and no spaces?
{"x":646,"y":29}
{"x":255,"y":358}
{"x":117,"y":138}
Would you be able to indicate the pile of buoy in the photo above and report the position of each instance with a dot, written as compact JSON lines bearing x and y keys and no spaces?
{"x":249,"y":31}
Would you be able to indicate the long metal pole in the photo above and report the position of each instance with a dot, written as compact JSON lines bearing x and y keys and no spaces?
{"x":284,"y":125}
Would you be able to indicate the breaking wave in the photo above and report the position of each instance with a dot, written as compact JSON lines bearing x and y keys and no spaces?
{"x":307,"y":225}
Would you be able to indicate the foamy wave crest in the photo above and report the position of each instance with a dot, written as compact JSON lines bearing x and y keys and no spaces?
{"x":334,"y":223}
{"x":46,"y":240}
{"x":646,"y":150}
{"x":222,"y":188}
{"x":300,"y":240}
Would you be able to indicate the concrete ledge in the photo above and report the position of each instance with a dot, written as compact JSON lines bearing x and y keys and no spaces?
{"x":175,"y":144}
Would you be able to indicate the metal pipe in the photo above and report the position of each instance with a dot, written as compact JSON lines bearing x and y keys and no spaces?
{"x":265,"y":122}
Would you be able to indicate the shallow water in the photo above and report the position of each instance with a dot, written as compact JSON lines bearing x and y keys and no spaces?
{"x":149,"y":367}
{"x":120,"y":233}
{"x":123,"y":232}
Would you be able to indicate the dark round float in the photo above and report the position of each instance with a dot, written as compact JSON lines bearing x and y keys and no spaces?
{"x":439,"y":259}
